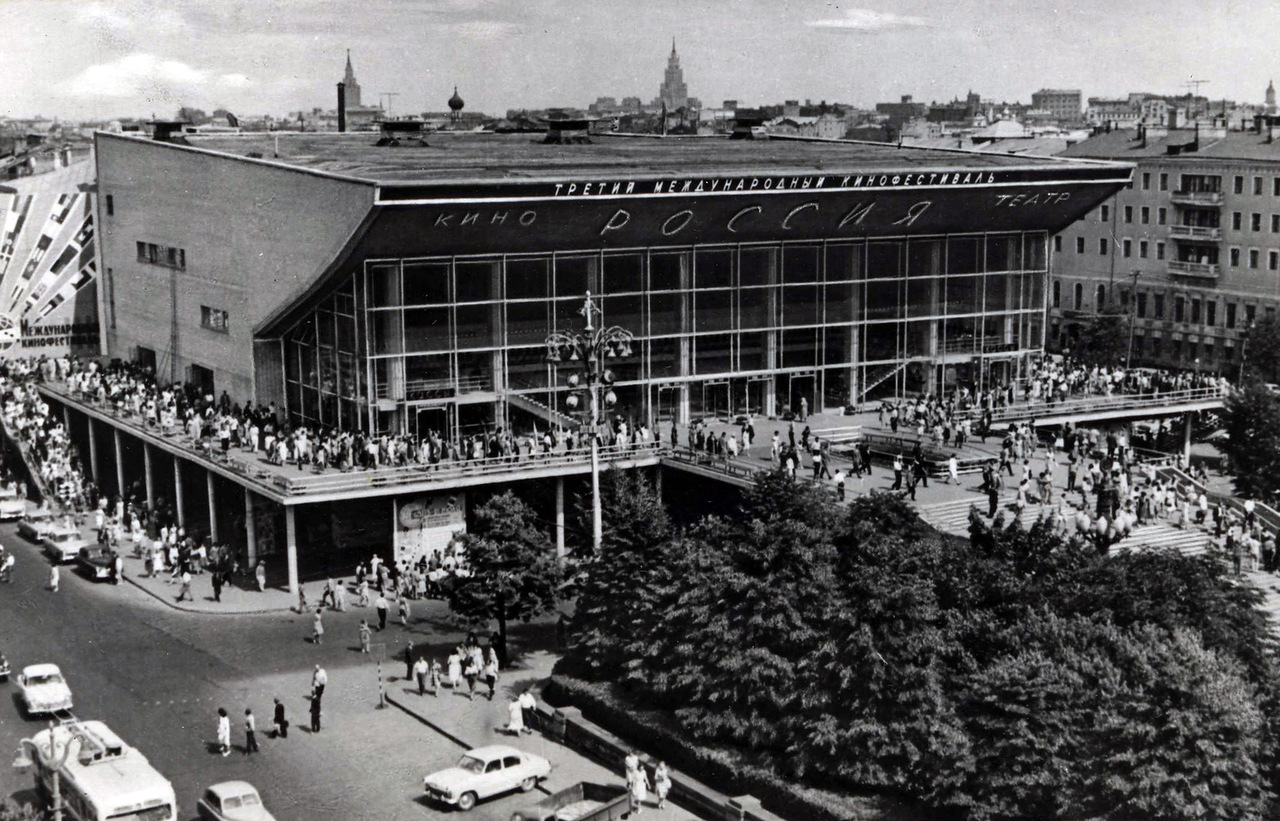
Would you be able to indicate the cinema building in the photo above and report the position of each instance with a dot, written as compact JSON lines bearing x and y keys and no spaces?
{"x":407,"y":289}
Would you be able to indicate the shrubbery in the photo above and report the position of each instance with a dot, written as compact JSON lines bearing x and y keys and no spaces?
{"x":1014,"y":675}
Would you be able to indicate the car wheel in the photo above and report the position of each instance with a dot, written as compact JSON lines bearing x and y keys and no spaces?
{"x":466,"y":801}
{"x":528,"y":784}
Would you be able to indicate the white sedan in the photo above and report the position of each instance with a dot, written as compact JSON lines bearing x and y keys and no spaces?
{"x":484,"y":772}
{"x":43,"y":689}
{"x":62,"y":543}
{"x":232,"y":801}
{"x":12,"y":506}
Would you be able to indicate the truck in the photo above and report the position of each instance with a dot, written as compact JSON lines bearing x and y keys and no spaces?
{"x":584,"y":801}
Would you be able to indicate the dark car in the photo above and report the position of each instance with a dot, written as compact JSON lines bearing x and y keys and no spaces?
{"x":98,"y":561}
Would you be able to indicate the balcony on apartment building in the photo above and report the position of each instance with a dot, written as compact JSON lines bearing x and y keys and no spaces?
{"x":1187,"y":268}
{"x":1196,"y":233}
{"x":1203,"y":198}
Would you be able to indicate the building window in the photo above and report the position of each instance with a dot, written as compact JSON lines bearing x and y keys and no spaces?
{"x":1146,"y":180}
{"x":1146,"y":215}
{"x":1155,"y":347}
{"x":1159,"y":250}
{"x":1273,"y":260}
{"x":164,"y":255}
{"x":1079,"y":245}
{"x":111,"y":296}
{"x":1057,"y":244}
{"x":1101,"y":299}
{"x":1195,"y":312}
{"x":213,"y":319}
{"x":1104,"y":214}
{"x":1248,"y":314}
{"x":1239,"y":185}
{"x":1162,"y":215}
{"x":1236,"y":220}
{"x":1255,"y":222}
{"x":1124,"y":299}
{"x":1211,"y":313}
{"x":1079,"y":296}
{"x":1142,"y":248}
{"x":1235,"y":257}
{"x":1102,"y":246}
{"x":1275,"y":223}
{"x":1253,"y":258}
{"x":1157,"y":306}
{"x":1231,"y":315}
{"x":1275,"y":186}
{"x":1179,"y":309}
{"x":1257,"y":186}
{"x":1142,"y":305}
{"x":1164,"y":182}
{"x":111,"y":205}
{"x":1057,"y":293}
{"x":1128,"y":213}
{"x":1127,"y":248}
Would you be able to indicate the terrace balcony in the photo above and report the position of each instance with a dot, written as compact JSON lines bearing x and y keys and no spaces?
{"x":1196,"y":233}
{"x":1203,"y":270}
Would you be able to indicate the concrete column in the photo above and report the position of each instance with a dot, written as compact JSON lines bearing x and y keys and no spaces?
{"x":151,"y":484}
{"x":178,"y":504}
{"x":251,"y":532}
{"x":560,"y":550}
{"x":93,"y":452}
{"x":213,"y":506}
{"x":1186,"y":439}
{"x":291,"y":547}
{"x":119,"y":463}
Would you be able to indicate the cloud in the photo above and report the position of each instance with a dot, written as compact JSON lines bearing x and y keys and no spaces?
{"x":867,"y":21}
{"x":146,"y":76}
{"x":485,"y":29}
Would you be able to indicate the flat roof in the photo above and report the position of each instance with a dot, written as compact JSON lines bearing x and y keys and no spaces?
{"x":1126,"y":145}
{"x":470,"y":157}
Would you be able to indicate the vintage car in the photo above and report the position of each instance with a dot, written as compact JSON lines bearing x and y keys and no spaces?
{"x":484,"y":772}
{"x":62,"y":543}
{"x":12,"y":506}
{"x":97,"y":561}
{"x":43,"y":689}
{"x":232,"y":801}
{"x":35,"y":523}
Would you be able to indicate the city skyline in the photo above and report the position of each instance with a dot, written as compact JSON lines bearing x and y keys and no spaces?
{"x":114,"y":58}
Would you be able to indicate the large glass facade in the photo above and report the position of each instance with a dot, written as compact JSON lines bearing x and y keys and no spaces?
{"x":458,"y":343}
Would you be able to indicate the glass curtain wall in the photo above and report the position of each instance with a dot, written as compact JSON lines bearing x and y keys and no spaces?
{"x":459,"y":343}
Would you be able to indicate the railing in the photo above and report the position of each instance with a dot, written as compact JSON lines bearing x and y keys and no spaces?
{"x":1196,"y":197}
{"x":1196,"y":232}
{"x":1187,"y":485}
{"x":719,"y":464}
{"x":1107,"y":403}
{"x":541,"y":410}
{"x":875,"y":380}
{"x":430,"y":388}
{"x":1186,"y":268}
{"x":446,"y":472}
{"x":974,"y":345}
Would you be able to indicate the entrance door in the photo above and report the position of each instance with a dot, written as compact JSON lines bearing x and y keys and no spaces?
{"x":433,"y":419}
{"x":803,"y":386}
{"x":749,"y":395}
{"x":668,"y":404}
{"x":203,"y":378}
{"x":715,"y":399}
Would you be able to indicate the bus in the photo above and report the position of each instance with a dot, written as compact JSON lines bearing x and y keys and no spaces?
{"x":102,"y":778}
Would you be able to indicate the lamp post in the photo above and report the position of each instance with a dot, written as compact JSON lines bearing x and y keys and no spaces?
{"x":589,"y":347}
{"x":51,"y":758}
{"x":1244,"y":352}
{"x":1133,"y":312}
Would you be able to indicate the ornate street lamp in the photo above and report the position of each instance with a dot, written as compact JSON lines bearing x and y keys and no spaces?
{"x":51,"y":758}
{"x":588,"y":349}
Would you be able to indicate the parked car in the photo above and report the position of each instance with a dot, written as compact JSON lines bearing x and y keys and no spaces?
{"x":485,"y":772}
{"x":232,"y":801}
{"x":43,"y":689}
{"x":12,"y":506}
{"x":62,"y":543}
{"x":98,"y":560}
{"x":35,"y":523}
{"x":584,"y":801}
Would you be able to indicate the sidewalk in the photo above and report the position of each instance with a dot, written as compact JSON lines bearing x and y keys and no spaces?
{"x":236,"y":600}
{"x":477,"y":723}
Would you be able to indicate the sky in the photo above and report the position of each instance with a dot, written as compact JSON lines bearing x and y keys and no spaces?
{"x":108,"y":58}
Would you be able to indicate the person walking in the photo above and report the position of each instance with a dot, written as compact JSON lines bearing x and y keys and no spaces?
{"x":315,"y":715}
{"x":224,"y":732}
{"x":661,"y":783}
{"x":318,"y":681}
{"x":953,"y":470}
{"x":53,"y":579}
{"x":435,"y":678}
{"x":469,"y":672}
{"x":455,"y":671}
{"x":185,"y":591}
{"x":216,"y":581}
{"x":404,"y":612}
{"x":380,"y":604}
{"x":420,"y":671}
{"x":637,"y":788}
{"x":340,"y":597}
{"x":317,"y":627}
{"x":260,"y":576}
{"x":491,"y":673}
{"x":515,"y":718}
{"x":279,"y":720}
{"x":528,"y":706}
{"x":363,"y":590}
{"x":250,"y":732}
{"x":366,"y":635}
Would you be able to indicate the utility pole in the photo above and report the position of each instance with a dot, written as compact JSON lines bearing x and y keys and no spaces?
{"x":1133,"y":312}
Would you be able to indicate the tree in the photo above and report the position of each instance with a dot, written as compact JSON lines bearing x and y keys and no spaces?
{"x":1262,"y":349}
{"x":515,"y":573}
{"x":1104,"y":341}
{"x":1252,"y":417}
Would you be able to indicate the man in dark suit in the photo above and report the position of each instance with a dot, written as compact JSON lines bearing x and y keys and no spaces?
{"x":282,"y":724}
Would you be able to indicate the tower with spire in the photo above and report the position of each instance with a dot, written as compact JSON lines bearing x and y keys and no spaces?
{"x":673,"y":93}
{"x":1271,"y":97}
{"x":353,"y":88}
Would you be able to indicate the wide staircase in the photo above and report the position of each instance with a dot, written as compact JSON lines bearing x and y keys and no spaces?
{"x":538,"y":409}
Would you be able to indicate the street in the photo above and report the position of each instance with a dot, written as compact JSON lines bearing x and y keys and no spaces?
{"x":157,"y":677}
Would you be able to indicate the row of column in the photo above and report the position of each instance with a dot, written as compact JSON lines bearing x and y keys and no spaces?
{"x":251,"y":536}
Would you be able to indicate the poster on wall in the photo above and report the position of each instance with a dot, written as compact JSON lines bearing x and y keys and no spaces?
{"x":426,"y":524}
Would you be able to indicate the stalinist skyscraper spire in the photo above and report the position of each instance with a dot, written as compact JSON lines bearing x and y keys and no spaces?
{"x":353,"y":88}
{"x":673,"y":92}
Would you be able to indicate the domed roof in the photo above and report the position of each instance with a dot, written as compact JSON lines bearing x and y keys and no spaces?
{"x":455,"y":102}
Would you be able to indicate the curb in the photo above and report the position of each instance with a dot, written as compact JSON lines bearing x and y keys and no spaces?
{"x":175,"y":606}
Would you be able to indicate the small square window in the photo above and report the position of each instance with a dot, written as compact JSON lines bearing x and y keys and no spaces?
{"x":1104,"y":214}
{"x":1275,"y":223}
{"x":1273,"y":260}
